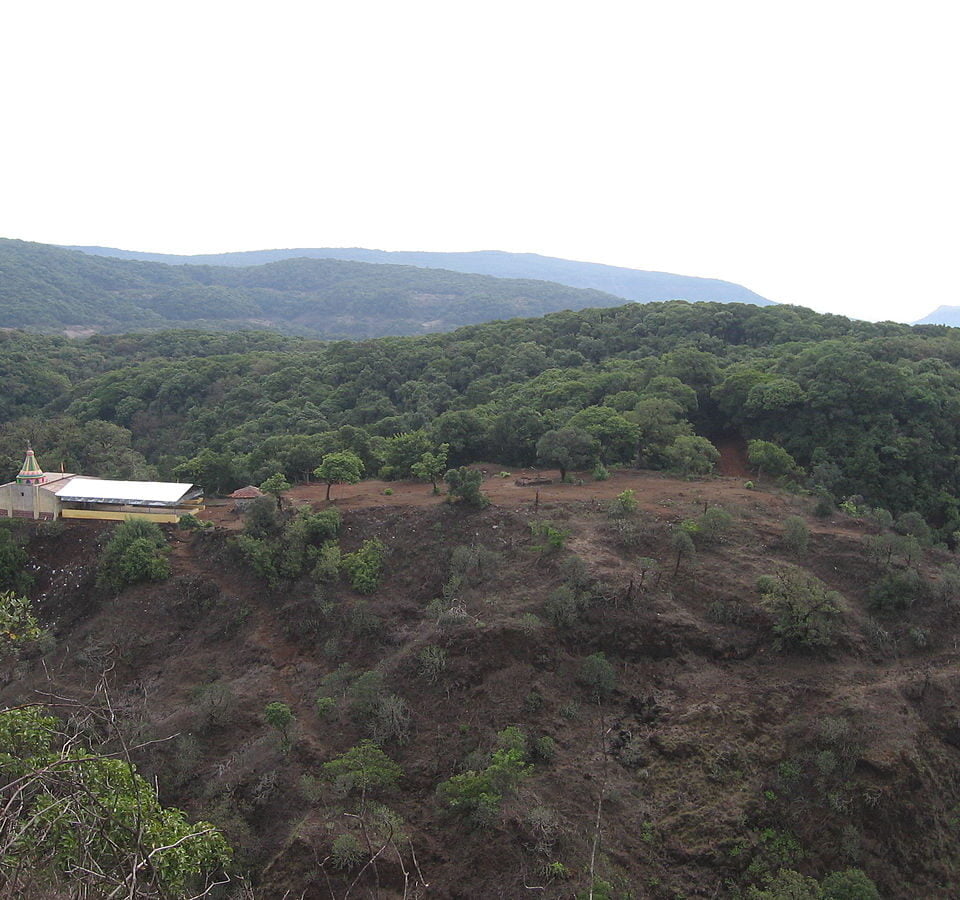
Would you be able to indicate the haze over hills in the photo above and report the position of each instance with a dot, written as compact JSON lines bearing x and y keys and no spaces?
{"x":630,"y":284}
{"x":49,"y":289}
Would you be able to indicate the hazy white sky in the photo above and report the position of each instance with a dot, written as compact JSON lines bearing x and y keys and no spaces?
{"x":809,"y":151}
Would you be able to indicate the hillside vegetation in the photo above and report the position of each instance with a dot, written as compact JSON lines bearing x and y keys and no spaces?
{"x":49,"y":289}
{"x":557,"y":694}
{"x":869,"y":411}
{"x":630,"y":284}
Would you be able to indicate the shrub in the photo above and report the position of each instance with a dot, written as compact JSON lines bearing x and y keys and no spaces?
{"x":327,"y":567}
{"x":600,"y":472}
{"x":432,"y":661}
{"x":391,"y":720}
{"x":714,"y":523}
{"x":691,"y":455}
{"x":464,"y":485}
{"x":478,"y":794}
{"x":553,"y":538}
{"x":796,"y":535}
{"x":896,"y":591}
{"x":623,"y":504}
{"x":597,"y":676}
{"x":365,"y":565}
{"x":850,"y":884}
{"x":345,"y":852}
{"x":260,"y":518}
{"x":913,"y":524}
{"x":257,"y":554}
{"x":324,"y":705}
{"x":543,"y":749}
{"x":803,"y":609}
{"x":137,"y":551}
{"x":564,"y":606}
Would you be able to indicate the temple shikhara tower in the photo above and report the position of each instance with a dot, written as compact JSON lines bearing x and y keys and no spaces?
{"x":36,"y":494}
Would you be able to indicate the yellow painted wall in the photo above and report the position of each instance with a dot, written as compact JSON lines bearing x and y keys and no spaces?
{"x":108,"y":516}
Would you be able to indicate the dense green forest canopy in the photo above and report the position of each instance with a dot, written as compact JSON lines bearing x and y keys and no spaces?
{"x":50,"y":289}
{"x":869,"y":409}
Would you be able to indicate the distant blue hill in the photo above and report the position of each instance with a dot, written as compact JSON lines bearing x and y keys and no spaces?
{"x":942,"y":315}
{"x":631,"y":284}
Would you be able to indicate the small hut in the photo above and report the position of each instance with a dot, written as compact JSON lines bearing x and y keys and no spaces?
{"x":244,"y":496}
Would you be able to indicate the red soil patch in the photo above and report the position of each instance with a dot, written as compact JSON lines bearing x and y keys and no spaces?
{"x":654,"y":491}
{"x":733,"y":456}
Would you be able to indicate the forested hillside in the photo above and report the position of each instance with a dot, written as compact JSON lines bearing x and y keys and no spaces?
{"x":865,"y":409}
{"x":630,"y":284}
{"x":49,"y":289}
{"x":637,"y":680}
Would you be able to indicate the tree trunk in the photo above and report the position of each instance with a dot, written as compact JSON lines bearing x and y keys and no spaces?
{"x":329,"y":485}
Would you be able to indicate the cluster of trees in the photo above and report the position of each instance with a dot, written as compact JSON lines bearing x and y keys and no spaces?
{"x":860,"y":408}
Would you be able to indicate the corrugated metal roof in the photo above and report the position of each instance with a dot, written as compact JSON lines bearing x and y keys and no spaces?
{"x":133,"y":492}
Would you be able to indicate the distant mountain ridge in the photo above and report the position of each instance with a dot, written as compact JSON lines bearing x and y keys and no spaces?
{"x":50,"y":289}
{"x":630,"y":284}
{"x":942,"y":315}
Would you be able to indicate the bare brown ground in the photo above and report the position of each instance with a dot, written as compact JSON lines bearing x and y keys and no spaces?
{"x":655,"y":492}
{"x":712,"y":709}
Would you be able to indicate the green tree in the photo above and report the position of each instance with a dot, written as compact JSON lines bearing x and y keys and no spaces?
{"x":83,"y":824}
{"x":568,"y":448}
{"x":363,"y":767}
{"x":768,"y":458}
{"x":691,"y":454}
{"x":616,"y":436}
{"x":339,"y":468}
{"x":431,"y":466}
{"x":276,"y":484}
{"x":18,"y":625}
{"x":279,"y":716}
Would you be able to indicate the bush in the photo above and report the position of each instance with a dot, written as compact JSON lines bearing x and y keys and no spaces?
{"x":896,"y":591}
{"x":137,"y":551}
{"x":345,"y":852}
{"x":803,"y":609}
{"x":553,"y":538}
{"x":850,"y":884}
{"x":365,"y":566}
{"x":623,"y":504}
{"x":796,"y":535}
{"x":691,"y":455}
{"x":432,"y":661}
{"x":477,"y":794}
{"x":464,"y":485}
{"x":600,"y":472}
{"x":714,"y":523}
{"x":564,"y":607}
{"x":597,"y":676}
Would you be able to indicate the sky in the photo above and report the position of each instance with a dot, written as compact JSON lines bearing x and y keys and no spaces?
{"x":807,"y":151}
